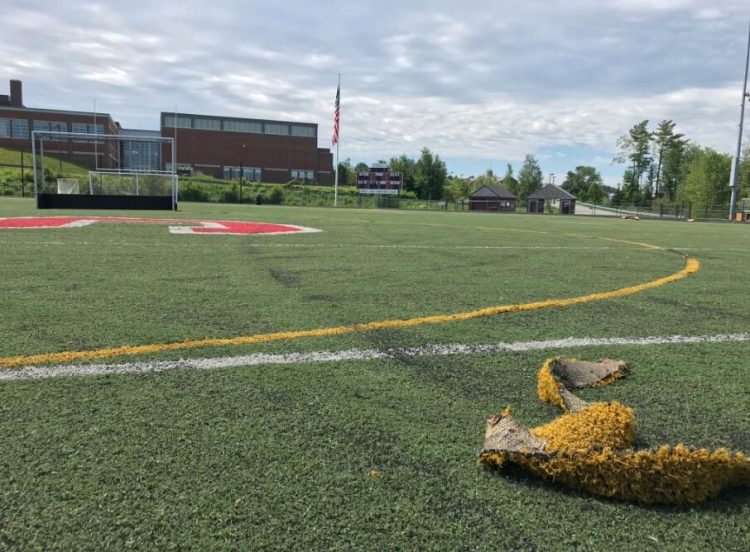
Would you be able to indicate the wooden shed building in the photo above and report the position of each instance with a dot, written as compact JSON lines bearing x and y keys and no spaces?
{"x":492,"y":198}
{"x":552,"y":196}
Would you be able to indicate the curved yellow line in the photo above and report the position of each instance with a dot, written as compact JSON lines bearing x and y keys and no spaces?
{"x":691,"y":265}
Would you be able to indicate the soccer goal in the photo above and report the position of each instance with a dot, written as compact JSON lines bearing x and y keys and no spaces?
{"x":79,"y":170}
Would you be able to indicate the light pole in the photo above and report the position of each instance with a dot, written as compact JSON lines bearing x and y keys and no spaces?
{"x":551,"y":178}
{"x":736,"y":164}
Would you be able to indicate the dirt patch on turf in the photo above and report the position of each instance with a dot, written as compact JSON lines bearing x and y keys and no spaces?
{"x":319,"y":298}
{"x":285,"y":278}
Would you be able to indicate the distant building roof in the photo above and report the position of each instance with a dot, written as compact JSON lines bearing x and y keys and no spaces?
{"x":550,"y":191}
{"x":492,"y":191}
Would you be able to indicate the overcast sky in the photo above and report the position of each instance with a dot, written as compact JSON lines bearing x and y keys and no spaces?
{"x":481,"y":83}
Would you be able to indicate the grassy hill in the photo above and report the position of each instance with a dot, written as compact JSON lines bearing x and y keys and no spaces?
{"x":10,"y":157}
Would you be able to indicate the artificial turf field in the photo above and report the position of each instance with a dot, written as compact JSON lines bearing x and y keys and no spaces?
{"x":282,"y":456}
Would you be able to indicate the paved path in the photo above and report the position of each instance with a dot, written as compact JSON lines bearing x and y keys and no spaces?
{"x":582,"y":209}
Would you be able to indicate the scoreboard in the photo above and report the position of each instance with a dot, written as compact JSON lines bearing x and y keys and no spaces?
{"x":379,"y":180}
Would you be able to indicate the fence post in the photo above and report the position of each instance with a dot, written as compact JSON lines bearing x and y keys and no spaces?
{"x":705,"y":216}
{"x":661,"y":210}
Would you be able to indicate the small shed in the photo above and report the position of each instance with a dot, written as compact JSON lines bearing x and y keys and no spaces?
{"x":552,"y":196}
{"x":492,"y":198}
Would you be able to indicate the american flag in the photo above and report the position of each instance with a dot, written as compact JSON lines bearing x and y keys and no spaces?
{"x":335,"y":139}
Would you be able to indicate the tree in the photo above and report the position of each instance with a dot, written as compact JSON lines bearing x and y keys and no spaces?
{"x":361,"y":167}
{"x":430,"y":176}
{"x":487,"y":179}
{"x":667,"y":151}
{"x":456,"y":189}
{"x":706,"y":182}
{"x":595,"y":193}
{"x":407,"y":167}
{"x":584,"y":182}
{"x":744,"y":176}
{"x":529,"y":177}
{"x":630,"y":192}
{"x":689,"y":157}
{"x":635,"y":147}
{"x":346,"y":173}
{"x":508,"y":182}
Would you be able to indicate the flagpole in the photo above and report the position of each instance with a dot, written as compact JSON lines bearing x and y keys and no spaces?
{"x":336,"y":181}
{"x":96,"y":153}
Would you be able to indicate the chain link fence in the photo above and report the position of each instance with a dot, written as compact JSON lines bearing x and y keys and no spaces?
{"x":675,"y":211}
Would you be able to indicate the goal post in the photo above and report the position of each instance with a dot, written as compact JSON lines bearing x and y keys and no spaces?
{"x":103,"y":171}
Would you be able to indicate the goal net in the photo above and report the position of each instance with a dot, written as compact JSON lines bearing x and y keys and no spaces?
{"x":130,"y":183}
{"x":109,"y":171}
{"x":67,"y":186}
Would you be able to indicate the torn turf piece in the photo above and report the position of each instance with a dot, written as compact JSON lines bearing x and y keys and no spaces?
{"x":591,"y":447}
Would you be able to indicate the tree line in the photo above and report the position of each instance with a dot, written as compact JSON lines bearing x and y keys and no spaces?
{"x":662,"y":166}
{"x":428,"y":177}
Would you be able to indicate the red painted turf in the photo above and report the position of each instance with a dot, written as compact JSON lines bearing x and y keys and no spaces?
{"x":229,"y":226}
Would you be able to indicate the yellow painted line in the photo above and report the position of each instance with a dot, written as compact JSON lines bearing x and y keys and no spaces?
{"x":691,"y":265}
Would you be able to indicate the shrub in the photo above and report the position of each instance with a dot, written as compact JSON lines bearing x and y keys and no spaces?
{"x":190,"y":192}
{"x":230,"y":196}
{"x":274,"y":195}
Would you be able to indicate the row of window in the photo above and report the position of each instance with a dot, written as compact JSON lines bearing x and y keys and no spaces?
{"x":254,"y":173}
{"x":87,"y":128}
{"x":54,"y":126}
{"x":19,"y":128}
{"x":14,"y":128}
{"x":248,"y":173}
{"x":140,"y":156}
{"x":204,"y":123}
{"x":302,"y":175}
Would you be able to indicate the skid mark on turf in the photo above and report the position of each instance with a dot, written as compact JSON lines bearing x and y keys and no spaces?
{"x":258,"y":359}
{"x":691,"y":266}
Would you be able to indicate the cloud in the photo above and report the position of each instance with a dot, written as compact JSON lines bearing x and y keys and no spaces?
{"x":472,"y":80}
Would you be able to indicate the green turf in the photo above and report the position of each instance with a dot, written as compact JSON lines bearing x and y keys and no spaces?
{"x":278,"y":457}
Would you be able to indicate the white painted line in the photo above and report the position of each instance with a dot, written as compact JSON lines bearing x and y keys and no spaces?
{"x":330,"y":245}
{"x":67,"y":370}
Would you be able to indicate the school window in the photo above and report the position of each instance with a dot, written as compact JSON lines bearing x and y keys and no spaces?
{"x":182,"y":122}
{"x":273,"y":128}
{"x":231,"y":172}
{"x":298,"y":174}
{"x":96,"y":129}
{"x":305,"y":131}
{"x":80,"y":128}
{"x":207,"y":124}
{"x":20,"y":128}
{"x":251,"y":173}
{"x":41,"y":125}
{"x":243,"y":126}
